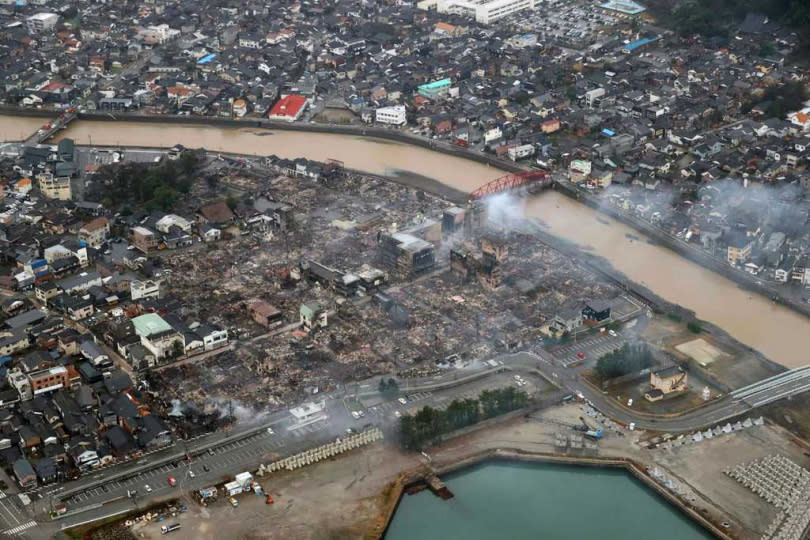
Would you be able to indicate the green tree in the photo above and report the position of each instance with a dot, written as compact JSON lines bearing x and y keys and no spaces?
{"x":627,"y":359}
{"x":767,"y":48}
{"x":389,"y":389}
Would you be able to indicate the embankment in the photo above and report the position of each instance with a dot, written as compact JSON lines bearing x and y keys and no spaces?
{"x":519,"y":454}
{"x":334,"y":129}
{"x":695,"y":255}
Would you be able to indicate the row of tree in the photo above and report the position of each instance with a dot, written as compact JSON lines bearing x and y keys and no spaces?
{"x":428,"y":423}
{"x":627,"y":359}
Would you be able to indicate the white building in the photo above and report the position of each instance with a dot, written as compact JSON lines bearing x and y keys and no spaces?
{"x":168,"y":221}
{"x":308,"y":412}
{"x":41,"y":22}
{"x":592,"y":95}
{"x":144,"y":289}
{"x":492,"y":134}
{"x":158,"y":35}
{"x":394,"y":115}
{"x":483,"y":11}
{"x":522,"y":151}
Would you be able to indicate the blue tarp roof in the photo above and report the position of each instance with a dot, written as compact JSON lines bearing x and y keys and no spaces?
{"x":640,"y":43}
{"x":207,"y":58}
{"x":608,"y":132}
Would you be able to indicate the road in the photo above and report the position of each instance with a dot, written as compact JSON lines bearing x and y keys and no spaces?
{"x":230,"y":452}
{"x":105,"y":492}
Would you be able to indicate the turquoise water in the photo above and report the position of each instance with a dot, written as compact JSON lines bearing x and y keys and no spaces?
{"x":515,"y":501}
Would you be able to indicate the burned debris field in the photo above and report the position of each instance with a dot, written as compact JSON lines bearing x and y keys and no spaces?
{"x":334,"y":279}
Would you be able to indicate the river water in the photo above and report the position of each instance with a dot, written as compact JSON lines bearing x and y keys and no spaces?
{"x":19,"y":128}
{"x":529,"y":501}
{"x":777,"y":332}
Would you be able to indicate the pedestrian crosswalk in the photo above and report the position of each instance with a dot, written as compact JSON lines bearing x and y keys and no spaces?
{"x":20,"y":528}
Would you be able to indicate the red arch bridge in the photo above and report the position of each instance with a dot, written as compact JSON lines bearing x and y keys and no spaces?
{"x":508,"y":182}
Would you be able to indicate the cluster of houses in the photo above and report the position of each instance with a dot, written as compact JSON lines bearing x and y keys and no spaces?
{"x":740,"y":193}
{"x":83,"y":314}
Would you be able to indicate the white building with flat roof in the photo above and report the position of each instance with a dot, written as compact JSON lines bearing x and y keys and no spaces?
{"x":308,"y":411}
{"x":394,"y":115}
{"x":483,"y":11}
{"x":41,"y":22}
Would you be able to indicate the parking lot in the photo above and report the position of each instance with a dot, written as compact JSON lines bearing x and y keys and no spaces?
{"x":565,"y":23}
{"x":589,"y":348}
{"x":221,"y":463}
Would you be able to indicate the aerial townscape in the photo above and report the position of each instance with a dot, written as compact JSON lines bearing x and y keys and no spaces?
{"x":435,"y":269}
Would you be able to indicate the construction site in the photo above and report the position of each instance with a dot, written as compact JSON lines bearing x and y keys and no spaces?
{"x":331,"y":279}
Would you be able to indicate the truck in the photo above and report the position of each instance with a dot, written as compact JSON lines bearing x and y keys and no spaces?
{"x":233,"y":488}
{"x":594,"y":434}
{"x":588,"y":431}
{"x":166,"y":529}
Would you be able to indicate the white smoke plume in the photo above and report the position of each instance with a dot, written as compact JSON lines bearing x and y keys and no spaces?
{"x":505,"y":210}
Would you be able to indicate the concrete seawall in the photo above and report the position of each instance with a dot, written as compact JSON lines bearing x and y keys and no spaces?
{"x":520,"y":455}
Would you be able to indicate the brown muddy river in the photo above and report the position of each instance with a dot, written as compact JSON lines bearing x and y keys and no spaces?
{"x":14,"y":128}
{"x":775,"y":331}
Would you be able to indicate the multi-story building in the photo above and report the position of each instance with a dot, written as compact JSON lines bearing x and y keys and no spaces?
{"x":394,"y":115}
{"x":18,"y":381}
{"x":144,"y":289}
{"x":94,"y":233}
{"x":739,"y":248}
{"x":483,"y":11}
{"x":158,"y":336}
{"x":144,"y":239}
{"x":48,"y":380}
{"x":55,"y":187}
{"x":13,"y":341}
{"x":41,"y":22}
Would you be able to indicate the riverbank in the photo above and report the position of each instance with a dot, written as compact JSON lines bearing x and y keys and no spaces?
{"x":772,"y":329}
{"x":711,"y":263}
{"x":696,"y":255}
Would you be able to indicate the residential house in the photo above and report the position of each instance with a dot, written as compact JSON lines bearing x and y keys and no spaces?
{"x":94,"y":233}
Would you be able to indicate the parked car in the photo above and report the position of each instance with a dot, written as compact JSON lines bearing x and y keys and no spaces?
{"x":148,"y":488}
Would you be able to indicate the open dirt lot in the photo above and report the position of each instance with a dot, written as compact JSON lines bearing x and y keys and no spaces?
{"x":701,"y":351}
{"x":347,"y":497}
{"x":738,"y":367}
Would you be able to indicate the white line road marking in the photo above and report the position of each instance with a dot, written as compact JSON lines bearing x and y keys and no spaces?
{"x":21,"y":528}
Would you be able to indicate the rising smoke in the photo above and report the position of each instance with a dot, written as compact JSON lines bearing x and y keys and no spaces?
{"x":505,"y":210}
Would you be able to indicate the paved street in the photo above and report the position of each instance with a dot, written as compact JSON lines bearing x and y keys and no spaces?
{"x":105,"y":492}
{"x":13,"y":519}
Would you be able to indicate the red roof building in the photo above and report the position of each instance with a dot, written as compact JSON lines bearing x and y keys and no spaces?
{"x":288,"y":109}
